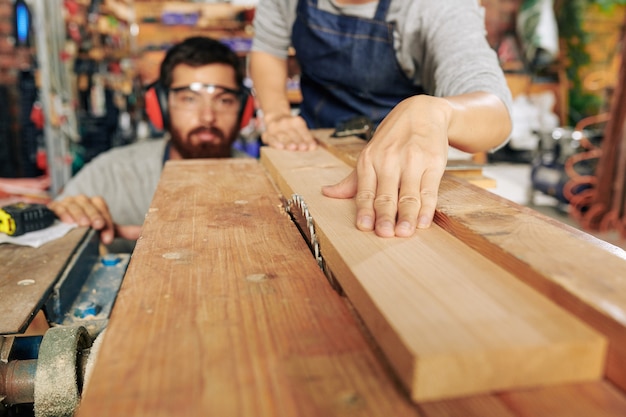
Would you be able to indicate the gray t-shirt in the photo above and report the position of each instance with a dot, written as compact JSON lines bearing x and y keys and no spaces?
{"x":441,"y":45}
{"x":126,"y":177}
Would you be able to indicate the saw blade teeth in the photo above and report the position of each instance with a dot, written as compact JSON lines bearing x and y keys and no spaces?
{"x":299,"y":212}
{"x":315,"y":246}
{"x":286,"y":204}
{"x":295,"y":200}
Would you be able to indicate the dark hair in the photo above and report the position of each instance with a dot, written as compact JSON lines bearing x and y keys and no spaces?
{"x":198,"y":51}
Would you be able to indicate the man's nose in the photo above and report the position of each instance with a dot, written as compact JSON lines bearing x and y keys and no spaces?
{"x":207,"y":112}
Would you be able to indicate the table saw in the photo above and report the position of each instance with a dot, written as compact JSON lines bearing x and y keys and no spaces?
{"x":249,"y":293}
{"x":67,"y":288}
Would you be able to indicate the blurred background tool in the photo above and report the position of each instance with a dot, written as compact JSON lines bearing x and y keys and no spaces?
{"x":19,"y":218}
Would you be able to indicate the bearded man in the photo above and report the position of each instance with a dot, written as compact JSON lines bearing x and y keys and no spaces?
{"x":198,"y":100}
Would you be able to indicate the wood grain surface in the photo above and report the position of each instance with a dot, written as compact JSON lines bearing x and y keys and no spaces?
{"x":27,"y":276}
{"x":451,"y":322}
{"x":224,"y":312}
{"x":577,"y":271}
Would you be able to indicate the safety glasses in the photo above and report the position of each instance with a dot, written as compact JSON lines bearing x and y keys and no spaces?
{"x":196,"y":96}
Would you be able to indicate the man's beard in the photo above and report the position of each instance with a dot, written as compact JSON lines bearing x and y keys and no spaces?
{"x":188,"y":150}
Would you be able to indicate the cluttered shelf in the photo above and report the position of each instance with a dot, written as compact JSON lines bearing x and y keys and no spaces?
{"x":167,"y":22}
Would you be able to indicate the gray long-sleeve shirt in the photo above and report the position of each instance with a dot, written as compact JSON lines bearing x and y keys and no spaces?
{"x":441,"y":45}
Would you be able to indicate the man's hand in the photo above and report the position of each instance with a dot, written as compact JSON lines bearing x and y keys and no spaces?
{"x":92,"y":212}
{"x":397,"y":177}
{"x":288,"y":132}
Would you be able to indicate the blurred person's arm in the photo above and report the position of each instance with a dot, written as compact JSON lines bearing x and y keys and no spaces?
{"x":282,"y":129}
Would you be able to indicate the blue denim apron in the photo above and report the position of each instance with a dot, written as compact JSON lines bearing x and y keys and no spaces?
{"x":348,"y":66}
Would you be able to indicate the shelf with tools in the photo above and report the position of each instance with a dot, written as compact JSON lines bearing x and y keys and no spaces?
{"x":163,"y":23}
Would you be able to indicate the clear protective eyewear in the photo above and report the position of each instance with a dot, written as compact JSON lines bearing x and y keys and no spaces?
{"x":194,"y":96}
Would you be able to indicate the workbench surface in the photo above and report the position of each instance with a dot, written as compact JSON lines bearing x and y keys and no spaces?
{"x":27,"y":276}
{"x":224,"y":311}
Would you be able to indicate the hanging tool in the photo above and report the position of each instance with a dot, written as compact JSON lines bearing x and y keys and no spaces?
{"x":19,"y":218}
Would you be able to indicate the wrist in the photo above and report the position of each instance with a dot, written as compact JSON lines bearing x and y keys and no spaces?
{"x":274,"y":117}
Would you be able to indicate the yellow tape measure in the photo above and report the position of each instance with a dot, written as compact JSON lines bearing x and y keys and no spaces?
{"x":19,"y":218}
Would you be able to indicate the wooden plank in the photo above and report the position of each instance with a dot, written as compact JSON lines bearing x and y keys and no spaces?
{"x":224,"y":312}
{"x":475,"y":406}
{"x":597,"y":399}
{"x":27,"y":276}
{"x":449,"y":321}
{"x":577,"y":271}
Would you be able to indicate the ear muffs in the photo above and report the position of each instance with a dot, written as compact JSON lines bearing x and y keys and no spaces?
{"x":247,"y":108}
{"x":158,"y":114}
{"x":156,"y":105}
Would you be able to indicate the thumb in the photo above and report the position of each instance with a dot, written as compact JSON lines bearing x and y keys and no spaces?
{"x":346,"y":188}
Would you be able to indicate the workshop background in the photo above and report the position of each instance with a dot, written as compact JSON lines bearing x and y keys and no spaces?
{"x":72,"y":74}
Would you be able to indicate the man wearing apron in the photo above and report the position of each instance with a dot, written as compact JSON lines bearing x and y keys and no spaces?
{"x":422,"y":71}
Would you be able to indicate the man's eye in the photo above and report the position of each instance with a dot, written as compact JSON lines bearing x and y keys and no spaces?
{"x":227,"y":100}
{"x":188,"y":98}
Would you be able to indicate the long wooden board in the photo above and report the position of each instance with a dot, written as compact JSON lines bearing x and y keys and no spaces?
{"x":224,"y":312}
{"x":450,"y":322}
{"x":27,"y":276}
{"x":574,"y":269}
{"x":577,"y":271}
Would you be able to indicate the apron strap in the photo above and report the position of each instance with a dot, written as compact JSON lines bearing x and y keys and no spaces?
{"x":381,"y":11}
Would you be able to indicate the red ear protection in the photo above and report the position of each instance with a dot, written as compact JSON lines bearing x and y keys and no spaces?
{"x":247,"y":109}
{"x":155,"y":99}
{"x":156,"y":105}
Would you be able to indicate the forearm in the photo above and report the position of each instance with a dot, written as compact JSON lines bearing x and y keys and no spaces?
{"x":269,"y":77}
{"x":477,"y":122}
